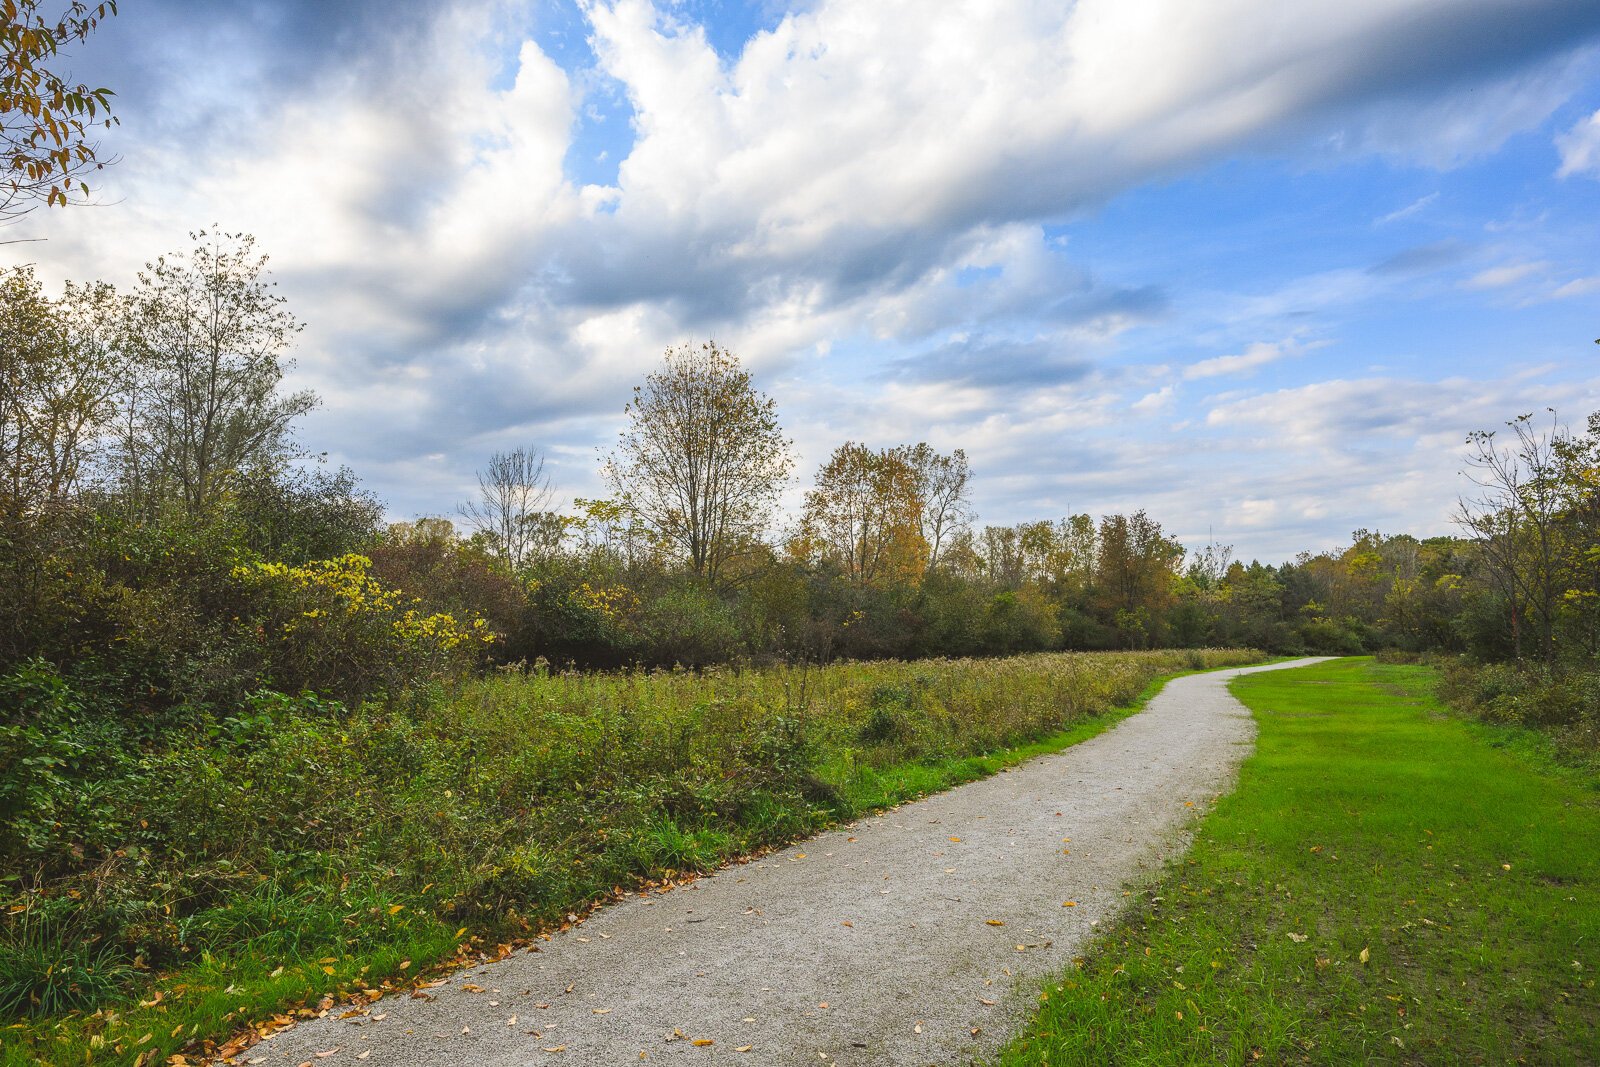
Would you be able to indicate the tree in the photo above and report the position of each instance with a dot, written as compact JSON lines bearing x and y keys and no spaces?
{"x":703,"y":459}
{"x":1513,"y":516}
{"x":209,"y":335}
{"x":60,"y":370}
{"x":45,"y":121}
{"x":944,"y":510}
{"x":865,"y":515}
{"x":512,"y":509}
{"x":1134,"y":574}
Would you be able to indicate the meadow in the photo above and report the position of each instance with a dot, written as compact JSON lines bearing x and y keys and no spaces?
{"x":248,"y":868}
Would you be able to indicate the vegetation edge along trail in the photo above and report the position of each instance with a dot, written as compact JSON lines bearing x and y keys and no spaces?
{"x":255,"y":867}
{"x":1387,"y":883}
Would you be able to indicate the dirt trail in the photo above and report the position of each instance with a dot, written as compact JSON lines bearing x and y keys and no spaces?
{"x":879,"y":943}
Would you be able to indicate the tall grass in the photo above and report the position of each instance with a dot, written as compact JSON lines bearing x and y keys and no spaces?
{"x":300,"y":848}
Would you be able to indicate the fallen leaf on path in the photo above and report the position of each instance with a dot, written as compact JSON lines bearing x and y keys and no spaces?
{"x":1069,"y":903}
{"x":602,"y":1011}
{"x":993,"y":922}
{"x":363,"y":1055}
{"x":325,"y":1055}
{"x":848,"y":923}
{"x":986,"y":1001}
{"x":1365,"y":955}
{"x":702,"y":1042}
{"x":555,"y":1048}
{"x":917,"y":1029}
{"x":956,"y":839}
{"x":744,"y":1048}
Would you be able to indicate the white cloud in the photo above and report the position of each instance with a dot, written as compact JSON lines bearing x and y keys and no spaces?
{"x":1406,"y":212}
{"x":1257,"y":355}
{"x":866,"y":177}
{"x":1504,"y":275}
{"x":1580,"y":148}
{"x":1577,"y":287}
{"x":1155,"y":403}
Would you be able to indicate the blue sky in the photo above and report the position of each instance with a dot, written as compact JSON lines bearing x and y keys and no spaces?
{"x":1256,"y":267}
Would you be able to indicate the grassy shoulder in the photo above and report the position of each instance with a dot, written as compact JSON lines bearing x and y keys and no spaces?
{"x":297,"y":855}
{"x":1384,"y":885}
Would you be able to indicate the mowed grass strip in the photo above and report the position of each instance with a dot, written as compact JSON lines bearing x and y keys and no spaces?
{"x":1385,"y":885}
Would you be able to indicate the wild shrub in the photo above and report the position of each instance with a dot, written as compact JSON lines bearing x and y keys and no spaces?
{"x":328,"y":626}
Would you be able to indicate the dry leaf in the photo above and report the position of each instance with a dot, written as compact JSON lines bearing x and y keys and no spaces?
{"x":602,"y":1011}
{"x":1365,"y":955}
{"x":1299,"y":939}
{"x":702,"y":1042}
{"x":1069,"y":903}
{"x":917,"y":1029}
{"x":330,"y":1052}
{"x":555,"y":1048}
{"x":744,"y":1048}
{"x":956,"y":839}
{"x":993,"y":922}
{"x":363,"y":1055}
{"x":848,"y":923}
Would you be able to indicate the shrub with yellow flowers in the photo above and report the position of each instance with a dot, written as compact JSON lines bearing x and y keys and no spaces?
{"x":329,"y":626}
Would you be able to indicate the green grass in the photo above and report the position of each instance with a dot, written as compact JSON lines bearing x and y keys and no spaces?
{"x":1385,"y":885}
{"x":293,"y":855}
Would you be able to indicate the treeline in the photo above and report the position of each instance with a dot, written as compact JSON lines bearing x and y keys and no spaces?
{"x":163,"y":539}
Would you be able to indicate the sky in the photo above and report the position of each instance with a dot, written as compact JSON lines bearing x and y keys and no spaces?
{"x":1255,"y":266}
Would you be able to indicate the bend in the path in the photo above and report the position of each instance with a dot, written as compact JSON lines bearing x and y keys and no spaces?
{"x":916,"y":936}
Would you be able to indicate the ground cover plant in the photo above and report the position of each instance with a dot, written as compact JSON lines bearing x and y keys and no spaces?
{"x":174,"y":890}
{"x":1387,"y":883}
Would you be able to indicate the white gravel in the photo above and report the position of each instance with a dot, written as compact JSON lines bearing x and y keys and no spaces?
{"x":878,"y":943}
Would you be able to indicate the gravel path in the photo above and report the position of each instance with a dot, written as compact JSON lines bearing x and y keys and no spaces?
{"x":918,"y":936}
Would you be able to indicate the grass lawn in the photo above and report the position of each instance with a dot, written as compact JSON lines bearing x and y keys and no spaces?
{"x":1386,"y":884}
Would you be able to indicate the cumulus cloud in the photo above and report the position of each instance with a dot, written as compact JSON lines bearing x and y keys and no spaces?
{"x":858,"y":198}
